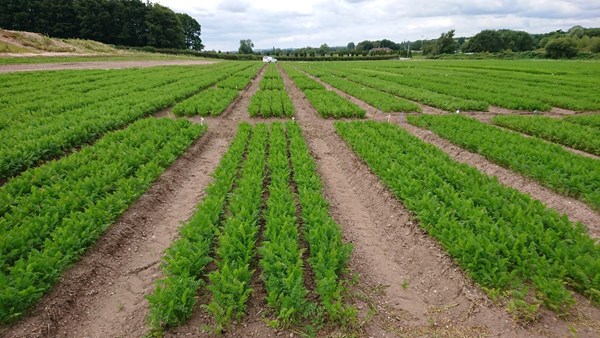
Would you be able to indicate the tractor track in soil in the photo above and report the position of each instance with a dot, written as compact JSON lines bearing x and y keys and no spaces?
{"x":408,"y":285}
{"x":488,"y":120}
{"x":99,"y":65}
{"x":422,"y":261}
{"x":576,"y":210}
{"x":103,"y":294}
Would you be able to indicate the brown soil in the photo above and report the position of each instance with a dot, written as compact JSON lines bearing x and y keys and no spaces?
{"x":573,"y":208}
{"x":406,"y":277}
{"x":407,"y":285}
{"x":389,"y":248}
{"x":100,"y":65}
{"x":103,"y":294}
{"x":488,"y":120}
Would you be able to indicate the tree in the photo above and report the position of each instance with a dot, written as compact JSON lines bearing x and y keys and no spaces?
{"x":445,"y":44}
{"x":163,"y":28}
{"x":365,"y":46}
{"x":246,"y":47}
{"x":485,"y":41}
{"x":517,"y":41}
{"x":132,"y":18}
{"x":561,"y":48}
{"x":351,"y":46}
{"x":595,"y":44}
{"x":191,"y":31}
{"x":324,"y":49}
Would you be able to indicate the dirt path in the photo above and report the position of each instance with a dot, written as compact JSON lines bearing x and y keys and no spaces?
{"x":100,"y":65}
{"x":488,"y":120}
{"x":103,"y":294}
{"x":413,"y":285}
{"x":390,"y":248}
{"x":576,"y":210}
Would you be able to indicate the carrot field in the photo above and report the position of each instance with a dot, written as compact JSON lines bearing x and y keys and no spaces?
{"x":352,"y":198}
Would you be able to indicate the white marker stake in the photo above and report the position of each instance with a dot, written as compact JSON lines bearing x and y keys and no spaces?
{"x":201,"y":120}
{"x":389,"y":117}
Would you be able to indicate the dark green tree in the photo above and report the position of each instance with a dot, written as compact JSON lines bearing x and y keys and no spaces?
{"x":485,"y":41}
{"x":132,"y":18}
{"x":246,"y":47}
{"x":445,"y":44}
{"x":163,"y":28}
{"x":191,"y":31}
{"x":96,"y":21}
{"x":351,"y":46}
{"x":57,"y":18}
{"x":563,"y":47}
{"x":517,"y":41}
{"x":365,"y":46}
{"x":324,"y":49}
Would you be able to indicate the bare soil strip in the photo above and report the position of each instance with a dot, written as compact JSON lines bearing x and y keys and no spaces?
{"x":405,"y":275}
{"x":390,"y":248}
{"x":103,"y":294}
{"x":488,"y":120}
{"x":576,"y":210}
{"x":100,"y":65}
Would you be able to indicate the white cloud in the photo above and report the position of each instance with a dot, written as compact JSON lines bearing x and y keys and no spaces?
{"x":336,"y":22}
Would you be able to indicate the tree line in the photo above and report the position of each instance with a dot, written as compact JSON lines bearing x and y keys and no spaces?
{"x":558,"y":44}
{"x":117,"y":22}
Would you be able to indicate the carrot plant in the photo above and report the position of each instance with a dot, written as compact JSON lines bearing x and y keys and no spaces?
{"x":271,"y":100}
{"x":271,"y":103}
{"x":549,"y":164}
{"x":510,"y":244}
{"x":51,"y":214}
{"x":230,"y":283}
{"x":326,"y":102}
{"x":281,"y":256}
{"x":174,"y":297}
{"x":328,"y":253}
{"x":49,"y":118}
{"x":591,"y":120}
{"x":213,"y":101}
{"x":555,"y":130}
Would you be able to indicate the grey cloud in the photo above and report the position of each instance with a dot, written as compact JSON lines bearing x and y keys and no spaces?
{"x":336,"y":22}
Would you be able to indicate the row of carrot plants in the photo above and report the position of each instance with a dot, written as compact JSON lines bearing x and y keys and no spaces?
{"x":184,"y":263}
{"x":571,"y":87}
{"x":465,"y":87}
{"x":328,"y":254}
{"x":230,"y":283}
{"x":387,"y":82}
{"x":271,"y":100}
{"x":49,"y":215}
{"x":72,"y":118}
{"x":326,"y":102}
{"x":281,"y":256}
{"x":591,"y":120}
{"x":549,"y":164}
{"x":514,"y":88}
{"x":234,"y":211}
{"x":555,"y":130}
{"x":213,"y":101}
{"x":376,"y":97}
{"x":513,"y":246}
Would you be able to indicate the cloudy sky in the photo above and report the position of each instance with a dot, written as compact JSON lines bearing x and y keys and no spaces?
{"x":301,"y":23}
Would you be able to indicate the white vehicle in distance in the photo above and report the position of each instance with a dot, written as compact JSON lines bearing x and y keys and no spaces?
{"x":269,"y":59}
